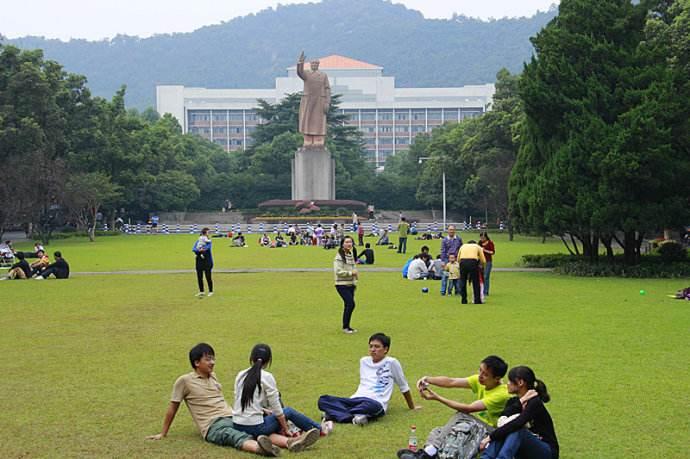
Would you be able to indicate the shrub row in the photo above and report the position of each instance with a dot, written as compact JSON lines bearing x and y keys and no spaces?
{"x":70,"y":234}
{"x":651,"y":266}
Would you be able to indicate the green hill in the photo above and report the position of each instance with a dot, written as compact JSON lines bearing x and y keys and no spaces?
{"x":249,"y":52}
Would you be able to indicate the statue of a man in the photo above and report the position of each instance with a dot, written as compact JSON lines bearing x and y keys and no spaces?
{"x":316,"y":100}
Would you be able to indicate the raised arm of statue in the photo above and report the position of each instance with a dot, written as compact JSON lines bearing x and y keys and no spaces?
{"x":300,"y":66}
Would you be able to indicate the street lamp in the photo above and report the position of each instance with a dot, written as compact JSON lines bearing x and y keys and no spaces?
{"x":443,"y":180}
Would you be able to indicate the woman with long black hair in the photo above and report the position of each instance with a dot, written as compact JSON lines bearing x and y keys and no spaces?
{"x":489,"y":249}
{"x":256,"y":395}
{"x":344,"y":269}
{"x":525,"y":428}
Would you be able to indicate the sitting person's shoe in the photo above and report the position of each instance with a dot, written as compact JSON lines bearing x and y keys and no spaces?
{"x":360,"y":419}
{"x":409,"y":454}
{"x":326,"y":427}
{"x":295,"y":445}
{"x":266,"y":448}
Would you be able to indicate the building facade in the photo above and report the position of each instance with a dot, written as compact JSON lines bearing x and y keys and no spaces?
{"x":388,"y":117}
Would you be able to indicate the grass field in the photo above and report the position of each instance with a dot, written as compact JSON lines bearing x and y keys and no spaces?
{"x":157,"y":252}
{"x":90,"y":361}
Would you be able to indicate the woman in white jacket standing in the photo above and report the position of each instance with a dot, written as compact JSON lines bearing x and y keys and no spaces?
{"x":344,"y":268}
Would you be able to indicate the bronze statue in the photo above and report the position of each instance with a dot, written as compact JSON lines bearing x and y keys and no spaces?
{"x":316,"y":100}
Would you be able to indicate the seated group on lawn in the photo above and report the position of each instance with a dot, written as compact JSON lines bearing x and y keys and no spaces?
{"x":505,"y":420}
{"x":40,"y":269}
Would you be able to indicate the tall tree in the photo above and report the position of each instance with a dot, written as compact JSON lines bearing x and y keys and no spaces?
{"x":596,"y":154}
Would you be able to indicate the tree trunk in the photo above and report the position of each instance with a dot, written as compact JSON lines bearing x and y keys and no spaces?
{"x":607,"y":241}
{"x":92,"y":226}
{"x":631,"y":253}
{"x":566,"y":245}
{"x":572,"y":239}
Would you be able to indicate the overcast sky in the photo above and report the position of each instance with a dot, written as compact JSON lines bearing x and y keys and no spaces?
{"x":97,"y":19}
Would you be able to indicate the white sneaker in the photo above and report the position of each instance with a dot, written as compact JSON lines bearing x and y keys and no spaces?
{"x":360,"y":420}
{"x":39,"y":278}
{"x":210,"y":294}
{"x":200,"y":294}
{"x":327,"y":427}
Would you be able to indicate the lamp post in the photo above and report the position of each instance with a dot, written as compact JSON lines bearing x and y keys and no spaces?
{"x":443,"y":181}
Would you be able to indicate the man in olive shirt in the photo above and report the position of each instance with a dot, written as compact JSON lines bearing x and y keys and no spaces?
{"x":203,"y":395}
{"x":403,"y":229}
{"x":470,"y":255}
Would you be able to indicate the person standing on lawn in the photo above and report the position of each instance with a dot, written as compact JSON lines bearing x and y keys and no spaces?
{"x":403,"y":230}
{"x":346,"y":276}
{"x":487,"y":246}
{"x":204,"y":262}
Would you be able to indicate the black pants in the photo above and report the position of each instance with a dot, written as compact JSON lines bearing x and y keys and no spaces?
{"x":469,"y":268}
{"x":201,"y":269}
{"x":347,"y":293}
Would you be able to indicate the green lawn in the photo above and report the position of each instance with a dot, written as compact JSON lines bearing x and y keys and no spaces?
{"x":90,"y":362}
{"x":174,"y":252}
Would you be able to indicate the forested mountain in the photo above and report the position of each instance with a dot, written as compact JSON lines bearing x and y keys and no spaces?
{"x":251,"y":51}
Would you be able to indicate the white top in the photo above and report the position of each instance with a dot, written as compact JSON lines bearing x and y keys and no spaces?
{"x":416,"y":268}
{"x":268,"y":398}
{"x":376,"y":379}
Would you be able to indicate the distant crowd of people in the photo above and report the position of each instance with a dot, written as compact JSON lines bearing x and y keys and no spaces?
{"x":456,"y":264}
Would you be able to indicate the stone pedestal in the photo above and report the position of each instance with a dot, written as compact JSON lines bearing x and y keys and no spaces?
{"x":313,"y":174}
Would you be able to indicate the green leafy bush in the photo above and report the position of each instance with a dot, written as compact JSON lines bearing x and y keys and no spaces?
{"x":671,"y":251}
{"x":650,"y":266}
{"x":71,"y":234}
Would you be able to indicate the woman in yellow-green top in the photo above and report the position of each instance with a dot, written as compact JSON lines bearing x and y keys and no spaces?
{"x":345,"y":271}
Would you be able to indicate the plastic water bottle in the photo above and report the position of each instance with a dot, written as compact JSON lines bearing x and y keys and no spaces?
{"x":412,"y":442}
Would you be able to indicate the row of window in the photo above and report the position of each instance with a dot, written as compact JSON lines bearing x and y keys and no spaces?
{"x":353,"y":115}
{"x":222,"y":115}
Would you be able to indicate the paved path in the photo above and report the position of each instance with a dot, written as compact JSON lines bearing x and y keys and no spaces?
{"x":284,"y":270}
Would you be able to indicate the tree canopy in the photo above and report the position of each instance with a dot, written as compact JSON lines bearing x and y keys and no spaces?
{"x":604,"y":149}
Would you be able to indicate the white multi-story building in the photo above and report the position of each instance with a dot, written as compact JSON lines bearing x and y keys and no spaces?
{"x":388,"y":117}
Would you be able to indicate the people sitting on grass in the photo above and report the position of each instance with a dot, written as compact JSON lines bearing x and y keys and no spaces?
{"x":59,"y":268}
{"x":264,"y":240}
{"x":436,"y":268}
{"x":417,"y":269}
{"x":477,"y":418}
{"x":6,"y":252}
{"x":202,"y":393}
{"x":368,"y":255}
{"x":384,"y":239}
{"x":377,"y":374}
{"x":427,"y":236}
{"x":40,"y":264}
{"x":238,"y":240}
{"x":258,"y":410}
{"x":19,"y":270}
{"x":330,"y":242}
{"x":280,"y":241}
{"x":525,"y":428}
